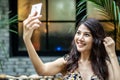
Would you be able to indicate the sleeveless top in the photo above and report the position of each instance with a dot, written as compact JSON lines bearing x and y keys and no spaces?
{"x":77,"y":76}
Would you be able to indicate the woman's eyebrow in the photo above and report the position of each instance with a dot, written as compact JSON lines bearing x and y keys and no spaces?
{"x":84,"y":31}
{"x":88,"y":32}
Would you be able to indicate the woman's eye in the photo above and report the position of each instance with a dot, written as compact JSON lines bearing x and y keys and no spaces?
{"x":78,"y":33}
{"x":87,"y":34}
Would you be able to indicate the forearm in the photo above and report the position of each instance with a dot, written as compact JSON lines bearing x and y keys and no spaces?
{"x":37,"y":62}
{"x":115,"y":66}
{"x":41,"y":68}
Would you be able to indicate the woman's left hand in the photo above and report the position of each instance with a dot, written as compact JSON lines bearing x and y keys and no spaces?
{"x":114,"y":70}
{"x":109,"y":46}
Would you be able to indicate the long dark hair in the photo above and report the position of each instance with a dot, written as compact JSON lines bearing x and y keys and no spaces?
{"x":98,"y":54}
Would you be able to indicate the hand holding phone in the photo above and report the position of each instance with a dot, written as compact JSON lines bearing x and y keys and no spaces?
{"x":36,"y":8}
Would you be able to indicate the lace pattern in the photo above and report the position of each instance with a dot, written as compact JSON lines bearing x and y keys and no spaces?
{"x":73,"y":76}
{"x":77,"y":76}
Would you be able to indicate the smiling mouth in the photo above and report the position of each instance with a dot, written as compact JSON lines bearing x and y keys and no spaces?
{"x":80,"y":44}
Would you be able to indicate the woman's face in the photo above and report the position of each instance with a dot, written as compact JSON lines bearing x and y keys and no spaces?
{"x":83,"y":39}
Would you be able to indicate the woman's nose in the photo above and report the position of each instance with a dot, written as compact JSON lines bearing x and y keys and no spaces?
{"x":81,"y":37}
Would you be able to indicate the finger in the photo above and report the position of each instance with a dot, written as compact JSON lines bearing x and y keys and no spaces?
{"x":109,"y":39}
{"x":29,"y":20}
{"x":34,"y":13}
{"x":34,"y":16}
{"x":39,"y":16}
{"x":106,"y":39}
{"x":30,"y":25}
{"x":104,"y":43}
{"x":34,"y":26}
{"x":24,"y":24}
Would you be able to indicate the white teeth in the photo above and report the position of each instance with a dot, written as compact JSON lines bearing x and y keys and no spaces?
{"x":79,"y":44}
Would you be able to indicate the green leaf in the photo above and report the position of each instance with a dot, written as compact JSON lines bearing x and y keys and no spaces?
{"x":14,"y":17}
{"x":119,"y":23}
{"x":103,"y":13}
{"x":13,"y":31}
{"x":81,"y":3}
{"x":115,"y":14}
{"x":84,"y":17}
{"x":80,"y":11}
{"x":13,"y":21}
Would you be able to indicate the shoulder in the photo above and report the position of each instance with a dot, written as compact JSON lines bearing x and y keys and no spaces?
{"x":63,"y":59}
{"x":60,"y":61}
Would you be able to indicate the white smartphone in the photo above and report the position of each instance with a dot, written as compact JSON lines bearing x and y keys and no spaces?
{"x":36,"y":7}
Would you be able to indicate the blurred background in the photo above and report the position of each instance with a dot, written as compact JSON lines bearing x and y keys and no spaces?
{"x":54,"y":37}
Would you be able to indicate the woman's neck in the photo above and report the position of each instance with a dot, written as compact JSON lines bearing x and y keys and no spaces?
{"x":84,"y":57}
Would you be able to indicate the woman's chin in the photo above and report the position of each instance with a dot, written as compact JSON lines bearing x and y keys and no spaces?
{"x":81,"y":50}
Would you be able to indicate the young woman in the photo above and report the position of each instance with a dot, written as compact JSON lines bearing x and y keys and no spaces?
{"x":92,"y":55}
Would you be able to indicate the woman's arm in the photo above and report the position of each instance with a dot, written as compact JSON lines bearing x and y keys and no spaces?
{"x":110,"y":48}
{"x":50,"y":68}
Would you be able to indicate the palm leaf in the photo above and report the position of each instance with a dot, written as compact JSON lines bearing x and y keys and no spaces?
{"x":81,"y":8}
{"x":114,"y":12}
{"x":13,"y":31}
{"x":106,"y":8}
{"x":84,"y":17}
{"x":105,"y":5}
{"x":81,"y":2}
{"x":109,"y":10}
{"x":119,"y":23}
{"x":80,"y":11}
{"x":103,"y":13}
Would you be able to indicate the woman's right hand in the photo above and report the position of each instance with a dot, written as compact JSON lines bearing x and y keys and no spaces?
{"x":30,"y":24}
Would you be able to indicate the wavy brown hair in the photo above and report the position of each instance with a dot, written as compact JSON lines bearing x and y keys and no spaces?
{"x":98,"y":54}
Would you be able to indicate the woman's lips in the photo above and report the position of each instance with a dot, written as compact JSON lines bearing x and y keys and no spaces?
{"x":80,"y":44}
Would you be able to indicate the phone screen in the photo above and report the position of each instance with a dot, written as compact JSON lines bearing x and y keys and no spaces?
{"x":37,"y":8}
